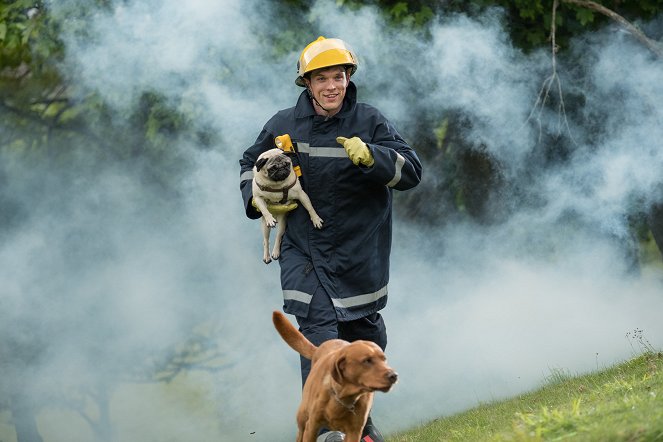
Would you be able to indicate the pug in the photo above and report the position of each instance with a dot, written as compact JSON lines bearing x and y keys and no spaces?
{"x":275,"y":182}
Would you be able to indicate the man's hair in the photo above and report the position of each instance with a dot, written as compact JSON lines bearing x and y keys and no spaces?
{"x":344,"y":67}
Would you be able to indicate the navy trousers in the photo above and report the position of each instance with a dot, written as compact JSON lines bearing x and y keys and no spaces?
{"x":321,"y":325}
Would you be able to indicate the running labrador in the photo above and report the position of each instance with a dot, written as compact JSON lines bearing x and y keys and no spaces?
{"x":275,"y":181}
{"x":338,"y":392}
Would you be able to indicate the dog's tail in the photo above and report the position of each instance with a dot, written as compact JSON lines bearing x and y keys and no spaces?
{"x":292,"y":336}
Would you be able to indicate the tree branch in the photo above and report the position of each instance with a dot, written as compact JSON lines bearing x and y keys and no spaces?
{"x":652,"y":45}
{"x":552,"y":80}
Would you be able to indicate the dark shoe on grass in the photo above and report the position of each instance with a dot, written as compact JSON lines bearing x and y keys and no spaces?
{"x":371,"y":433}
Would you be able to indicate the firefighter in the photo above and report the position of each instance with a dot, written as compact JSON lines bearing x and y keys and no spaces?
{"x":335,"y":279}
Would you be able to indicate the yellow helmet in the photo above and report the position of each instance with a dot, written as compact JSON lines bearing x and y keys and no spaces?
{"x":322,"y":53}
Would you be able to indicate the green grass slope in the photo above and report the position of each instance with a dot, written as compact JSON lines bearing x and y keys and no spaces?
{"x":622,"y":403}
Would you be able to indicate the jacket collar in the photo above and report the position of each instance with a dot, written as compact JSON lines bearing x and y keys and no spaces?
{"x":304,"y":107}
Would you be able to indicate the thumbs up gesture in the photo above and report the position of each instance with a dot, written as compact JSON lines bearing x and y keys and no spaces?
{"x":357,"y":150}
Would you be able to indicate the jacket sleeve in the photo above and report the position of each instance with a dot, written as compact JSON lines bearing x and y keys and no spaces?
{"x":264,"y":142}
{"x":396,"y":163}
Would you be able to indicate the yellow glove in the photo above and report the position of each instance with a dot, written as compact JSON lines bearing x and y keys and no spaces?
{"x":357,"y":150}
{"x":275,"y":209}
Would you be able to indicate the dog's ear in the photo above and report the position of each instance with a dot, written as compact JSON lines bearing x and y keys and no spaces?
{"x":337,"y":371}
{"x":261,"y":163}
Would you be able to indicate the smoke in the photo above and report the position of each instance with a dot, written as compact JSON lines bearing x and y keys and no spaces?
{"x":101,"y":271}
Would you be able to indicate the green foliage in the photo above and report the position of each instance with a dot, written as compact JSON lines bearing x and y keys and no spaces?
{"x":29,"y":52}
{"x":399,"y":10}
{"x":585,"y":16}
{"x":16,"y":27}
{"x":402,"y":14}
{"x":45,"y":114}
{"x":31,"y":87}
{"x":529,"y":20}
{"x":413,"y":14}
{"x":529,"y":9}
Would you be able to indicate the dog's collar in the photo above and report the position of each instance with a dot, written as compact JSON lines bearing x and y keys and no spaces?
{"x":283,"y":189}
{"x":349,"y":407}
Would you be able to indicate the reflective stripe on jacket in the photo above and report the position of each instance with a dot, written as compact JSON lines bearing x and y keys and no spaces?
{"x":349,"y":256}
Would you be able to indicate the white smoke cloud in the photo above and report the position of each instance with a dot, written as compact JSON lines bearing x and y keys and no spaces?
{"x":475,"y":313}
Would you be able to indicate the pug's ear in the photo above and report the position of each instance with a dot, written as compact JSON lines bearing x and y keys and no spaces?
{"x":261,"y":163}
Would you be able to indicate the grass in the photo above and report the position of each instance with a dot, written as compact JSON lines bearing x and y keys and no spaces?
{"x":622,"y":403}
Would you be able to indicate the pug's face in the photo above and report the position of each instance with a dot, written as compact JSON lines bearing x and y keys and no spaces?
{"x":274,"y":164}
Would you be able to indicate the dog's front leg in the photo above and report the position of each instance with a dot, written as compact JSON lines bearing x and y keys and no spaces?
{"x":310,"y":433}
{"x":280,"y":231}
{"x":266,"y":214}
{"x":265,"y":241}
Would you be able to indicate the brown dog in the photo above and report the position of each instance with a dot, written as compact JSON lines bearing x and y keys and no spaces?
{"x":338,"y":392}
{"x":275,"y":181}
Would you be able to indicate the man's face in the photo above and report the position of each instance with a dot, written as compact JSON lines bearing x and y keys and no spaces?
{"x":328,"y":87}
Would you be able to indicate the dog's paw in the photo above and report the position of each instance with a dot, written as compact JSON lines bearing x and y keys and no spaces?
{"x":276,"y":255}
{"x":267,"y":259}
{"x":317,"y":222}
{"x":270,"y":221}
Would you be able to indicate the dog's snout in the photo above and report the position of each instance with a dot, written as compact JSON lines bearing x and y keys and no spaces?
{"x":278,"y":171}
{"x":392,"y":377}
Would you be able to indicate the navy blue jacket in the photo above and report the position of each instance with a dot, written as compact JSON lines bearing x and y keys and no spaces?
{"x":349,"y":256}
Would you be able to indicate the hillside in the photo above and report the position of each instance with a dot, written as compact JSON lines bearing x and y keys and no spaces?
{"x":621,"y":403}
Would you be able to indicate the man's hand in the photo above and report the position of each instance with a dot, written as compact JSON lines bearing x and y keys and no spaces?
{"x":277,"y":208}
{"x":357,"y":150}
